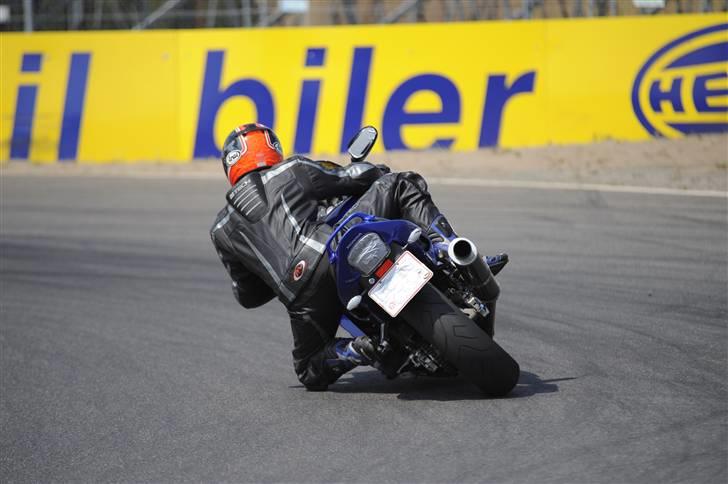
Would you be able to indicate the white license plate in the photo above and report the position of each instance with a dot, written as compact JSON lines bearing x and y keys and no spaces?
{"x":400,"y":284}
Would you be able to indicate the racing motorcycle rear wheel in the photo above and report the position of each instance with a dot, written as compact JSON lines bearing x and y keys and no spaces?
{"x":461,"y":342}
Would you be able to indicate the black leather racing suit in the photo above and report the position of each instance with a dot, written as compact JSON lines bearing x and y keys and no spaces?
{"x":271,"y":236}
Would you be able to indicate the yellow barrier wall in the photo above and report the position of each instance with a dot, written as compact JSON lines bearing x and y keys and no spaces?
{"x":174,"y":95}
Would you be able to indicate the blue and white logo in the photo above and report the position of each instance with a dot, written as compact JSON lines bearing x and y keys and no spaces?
{"x":683,"y":87}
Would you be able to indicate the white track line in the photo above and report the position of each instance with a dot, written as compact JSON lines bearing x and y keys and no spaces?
{"x":481,"y":182}
{"x":464,"y":182}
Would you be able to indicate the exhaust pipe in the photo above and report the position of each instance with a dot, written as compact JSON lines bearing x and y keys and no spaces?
{"x":465,"y":255}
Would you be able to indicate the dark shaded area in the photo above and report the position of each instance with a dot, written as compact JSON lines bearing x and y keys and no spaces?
{"x":411,"y":387}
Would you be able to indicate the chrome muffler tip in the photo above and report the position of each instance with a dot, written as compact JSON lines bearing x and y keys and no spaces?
{"x":462,"y":251}
{"x":464,"y":254}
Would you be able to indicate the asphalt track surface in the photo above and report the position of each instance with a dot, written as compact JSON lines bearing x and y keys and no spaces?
{"x":125,"y":358}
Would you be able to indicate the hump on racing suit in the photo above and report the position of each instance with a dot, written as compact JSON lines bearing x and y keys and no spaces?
{"x":271,"y":235}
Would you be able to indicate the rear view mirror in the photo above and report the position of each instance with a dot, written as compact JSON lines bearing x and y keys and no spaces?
{"x":362,"y":142}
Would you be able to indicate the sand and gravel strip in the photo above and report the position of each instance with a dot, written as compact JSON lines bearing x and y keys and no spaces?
{"x":697,"y":163}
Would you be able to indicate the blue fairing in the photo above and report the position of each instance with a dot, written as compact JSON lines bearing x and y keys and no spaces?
{"x":391,"y":232}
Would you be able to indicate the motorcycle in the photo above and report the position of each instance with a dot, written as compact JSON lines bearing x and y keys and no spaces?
{"x":427,"y":305}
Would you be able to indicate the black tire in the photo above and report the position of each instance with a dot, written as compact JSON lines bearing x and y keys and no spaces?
{"x":463,"y":344}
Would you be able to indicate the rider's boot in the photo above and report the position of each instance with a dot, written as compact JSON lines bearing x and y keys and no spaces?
{"x":345,"y":354}
{"x":496,"y":262}
{"x":359,"y":350}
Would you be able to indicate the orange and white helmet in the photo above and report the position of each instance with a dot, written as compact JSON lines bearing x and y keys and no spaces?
{"x":250,"y":147}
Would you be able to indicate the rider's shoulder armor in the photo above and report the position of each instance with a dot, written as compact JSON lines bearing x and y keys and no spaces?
{"x":248,"y":197}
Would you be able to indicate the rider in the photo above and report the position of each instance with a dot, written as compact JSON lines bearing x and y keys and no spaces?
{"x":271,"y":236}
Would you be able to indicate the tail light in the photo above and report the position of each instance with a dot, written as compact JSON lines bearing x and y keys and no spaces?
{"x":368,"y":253}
